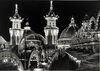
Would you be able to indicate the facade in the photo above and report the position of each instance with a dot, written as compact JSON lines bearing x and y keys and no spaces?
{"x":87,"y":36}
{"x":31,"y":50}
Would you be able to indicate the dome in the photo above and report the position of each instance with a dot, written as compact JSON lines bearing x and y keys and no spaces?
{"x":69,"y":31}
{"x":31,"y":39}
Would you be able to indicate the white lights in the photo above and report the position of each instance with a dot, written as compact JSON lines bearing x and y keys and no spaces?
{"x":5,"y":60}
{"x":44,"y":64}
{"x":27,"y":27}
{"x":99,"y":34}
{"x":38,"y":69}
{"x":72,"y":20}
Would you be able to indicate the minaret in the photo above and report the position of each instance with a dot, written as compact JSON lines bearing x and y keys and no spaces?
{"x":51,"y":30}
{"x":16,"y":33}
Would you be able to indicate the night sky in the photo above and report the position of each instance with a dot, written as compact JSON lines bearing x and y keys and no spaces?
{"x":33,"y":12}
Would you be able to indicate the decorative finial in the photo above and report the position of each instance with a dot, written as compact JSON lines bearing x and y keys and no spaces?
{"x":72,"y":20}
{"x":27,"y":24}
{"x":51,"y":5}
{"x":16,"y":8}
{"x":27,"y":27}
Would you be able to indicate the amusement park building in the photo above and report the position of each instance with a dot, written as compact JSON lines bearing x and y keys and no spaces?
{"x":28,"y":49}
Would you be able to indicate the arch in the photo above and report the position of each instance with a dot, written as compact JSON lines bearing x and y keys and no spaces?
{"x":33,"y":54}
{"x":34,"y":36}
{"x":13,"y":59}
{"x":93,"y":23}
{"x":39,"y":37}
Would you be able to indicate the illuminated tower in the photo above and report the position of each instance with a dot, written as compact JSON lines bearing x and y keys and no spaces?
{"x":51,"y":30}
{"x":16,"y":33}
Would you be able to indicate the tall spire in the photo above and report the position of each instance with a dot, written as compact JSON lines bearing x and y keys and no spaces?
{"x":51,"y":5}
{"x":16,"y":15}
{"x":51,"y":13}
{"x":16,"y":19}
{"x":16,"y":8}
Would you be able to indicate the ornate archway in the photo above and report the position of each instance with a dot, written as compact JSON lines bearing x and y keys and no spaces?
{"x":10,"y":59}
{"x":34,"y":59}
{"x":29,"y":44}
